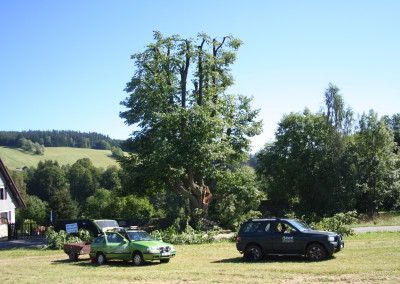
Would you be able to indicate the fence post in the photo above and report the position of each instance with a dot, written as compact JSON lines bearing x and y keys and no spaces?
{"x":12,"y":232}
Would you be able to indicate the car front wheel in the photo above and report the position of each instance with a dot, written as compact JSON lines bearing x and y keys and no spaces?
{"x":316,"y":252}
{"x":253,"y":253}
{"x":137,"y":259}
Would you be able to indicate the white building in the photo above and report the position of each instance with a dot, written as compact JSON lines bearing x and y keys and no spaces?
{"x":10,"y":198}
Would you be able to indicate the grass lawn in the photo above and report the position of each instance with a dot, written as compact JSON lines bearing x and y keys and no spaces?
{"x":15,"y":158}
{"x":367,"y":258}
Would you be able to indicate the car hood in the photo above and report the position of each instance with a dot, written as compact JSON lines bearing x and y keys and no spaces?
{"x":323,"y":233}
{"x":151,"y":243}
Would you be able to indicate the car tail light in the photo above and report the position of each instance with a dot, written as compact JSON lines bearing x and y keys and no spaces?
{"x":238,"y":239}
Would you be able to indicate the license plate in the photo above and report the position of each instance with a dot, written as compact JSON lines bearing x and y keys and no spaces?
{"x":165,"y":254}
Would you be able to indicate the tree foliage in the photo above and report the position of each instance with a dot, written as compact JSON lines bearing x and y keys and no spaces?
{"x":84,"y":179}
{"x":378,"y":165}
{"x":190,"y":128}
{"x":322,"y":164}
{"x":35,"y":210}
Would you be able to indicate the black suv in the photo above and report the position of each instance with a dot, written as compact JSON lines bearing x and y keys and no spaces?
{"x":282,"y":236}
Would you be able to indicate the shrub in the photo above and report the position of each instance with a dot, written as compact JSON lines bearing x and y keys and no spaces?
{"x":188,"y":236}
{"x":57,"y":240}
{"x":339,"y":223}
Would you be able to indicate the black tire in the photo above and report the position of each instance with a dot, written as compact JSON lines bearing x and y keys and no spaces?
{"x":101,"y":258}
{"x":164,"y":260}
{"x":253,"y":253}
{"x":316,"y":252}
{"x":73,"y":256}
{"x":137,"y":259}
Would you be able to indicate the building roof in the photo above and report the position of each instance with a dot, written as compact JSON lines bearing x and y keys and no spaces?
{"x":11,"y":185}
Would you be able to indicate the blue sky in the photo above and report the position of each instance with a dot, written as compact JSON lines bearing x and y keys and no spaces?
{"x":64,"y":64}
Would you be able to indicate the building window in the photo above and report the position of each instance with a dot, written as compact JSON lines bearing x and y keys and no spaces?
{"x":3,"y":218}
{"x":3,"y":194}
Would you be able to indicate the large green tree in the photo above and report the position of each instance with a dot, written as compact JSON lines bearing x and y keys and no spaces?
{"x":84,"y":178}
{"x":378,"y":163}
{"x":307,"y":166}
{"x":190,"y":129}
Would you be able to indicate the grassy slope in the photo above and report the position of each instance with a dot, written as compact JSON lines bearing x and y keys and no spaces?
{"x":15,"y":158}
{"x":367,"y":258}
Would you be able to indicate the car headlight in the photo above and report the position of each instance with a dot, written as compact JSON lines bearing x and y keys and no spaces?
{"x":331,"y":239}
{"x":153,"y":249}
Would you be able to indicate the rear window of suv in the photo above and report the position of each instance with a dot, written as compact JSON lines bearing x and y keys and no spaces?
{"x":253,"y":227}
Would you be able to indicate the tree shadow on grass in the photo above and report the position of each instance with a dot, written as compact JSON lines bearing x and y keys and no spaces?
{"x":268,"y":259}
{"x":86,"y":262}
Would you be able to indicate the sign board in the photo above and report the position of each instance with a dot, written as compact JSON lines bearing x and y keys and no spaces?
{"x":71,"y":228}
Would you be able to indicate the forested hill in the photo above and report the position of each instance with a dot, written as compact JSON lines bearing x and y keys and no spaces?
{"x":57,"y":138}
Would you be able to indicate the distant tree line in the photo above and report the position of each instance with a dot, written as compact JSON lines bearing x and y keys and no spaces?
{"x":57,"y":138}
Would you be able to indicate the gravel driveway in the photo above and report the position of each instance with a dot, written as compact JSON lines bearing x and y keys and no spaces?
{"x":376,"y":229}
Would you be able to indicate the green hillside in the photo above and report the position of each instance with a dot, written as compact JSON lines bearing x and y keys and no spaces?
{"x":15,"y":158}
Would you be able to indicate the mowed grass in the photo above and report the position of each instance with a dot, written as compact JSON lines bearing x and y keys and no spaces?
{"x":15,"y":158}
{"x":367,"y":258}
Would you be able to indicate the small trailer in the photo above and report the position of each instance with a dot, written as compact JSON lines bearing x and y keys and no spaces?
{"x":74,"y":250}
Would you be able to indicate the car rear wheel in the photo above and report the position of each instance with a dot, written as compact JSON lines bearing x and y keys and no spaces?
{"x":137,"y":259}
{"x":253,"y":253}
{"x":316,"y":252}
{"x":101,"y":258}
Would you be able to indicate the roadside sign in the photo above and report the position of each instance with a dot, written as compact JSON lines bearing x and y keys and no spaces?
{"x":71,"y":228}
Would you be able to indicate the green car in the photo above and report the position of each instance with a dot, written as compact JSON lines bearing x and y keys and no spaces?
{"x":130,"y":244}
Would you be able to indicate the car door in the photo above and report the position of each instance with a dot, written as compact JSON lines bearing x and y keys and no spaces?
{"x":267,"y":236}
{"x":286,"y":238}
{"x":117,"y":246}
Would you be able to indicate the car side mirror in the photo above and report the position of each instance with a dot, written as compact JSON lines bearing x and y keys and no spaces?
{"x":312,"y":228}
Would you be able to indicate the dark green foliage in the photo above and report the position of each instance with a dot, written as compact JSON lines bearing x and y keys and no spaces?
{"x":242,"y":198}
{"x":321,"y":164}
{"x":191,"y":130}
{"x":303,"y":165}
{"x":378,"y":162}
{"x":47,"y":179}
{"x":84,"y":179}
{"x":394,"y":123}
{"x":106,"y":204}
{"x":36,"y":210}
{"x":111,"y":178}
{"x":63,"y":205}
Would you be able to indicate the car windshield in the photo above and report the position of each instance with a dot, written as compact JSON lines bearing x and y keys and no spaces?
{"x":140,"y":236}
{"x":107,"y":223}
{"x":300,"y":225}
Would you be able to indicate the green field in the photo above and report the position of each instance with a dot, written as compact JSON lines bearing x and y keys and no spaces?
{"x":15,"y":158}
{"x":367,"y":258}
